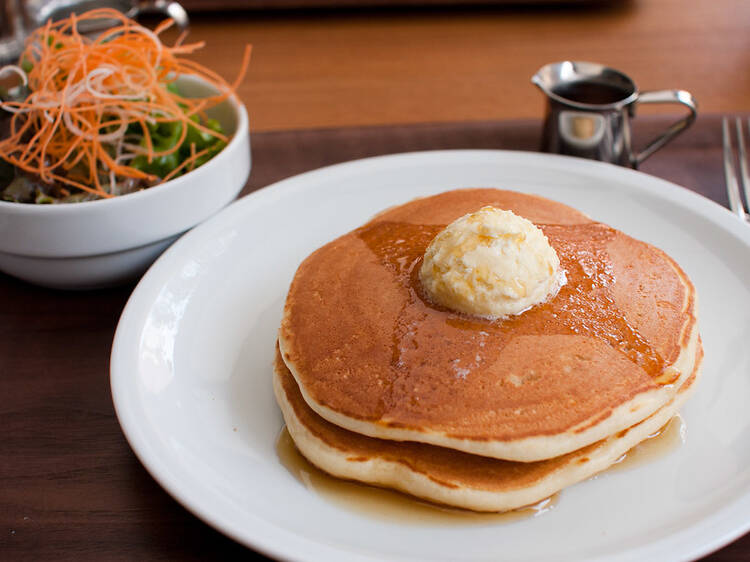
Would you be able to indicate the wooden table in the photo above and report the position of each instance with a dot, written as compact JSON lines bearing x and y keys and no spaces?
{"x":414,"y":66}
{"x":69,"y":485}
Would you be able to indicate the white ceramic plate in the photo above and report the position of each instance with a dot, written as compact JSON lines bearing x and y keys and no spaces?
{"x":191,"y":370}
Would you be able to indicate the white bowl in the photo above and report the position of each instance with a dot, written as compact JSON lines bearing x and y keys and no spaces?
{"x":111,"y":241}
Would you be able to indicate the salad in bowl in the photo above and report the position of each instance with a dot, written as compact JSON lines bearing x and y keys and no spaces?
{"x":111,"y":147}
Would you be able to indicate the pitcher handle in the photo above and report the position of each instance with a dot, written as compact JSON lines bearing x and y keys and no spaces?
{"x":666,"y":96}
{"x":170,"y":9}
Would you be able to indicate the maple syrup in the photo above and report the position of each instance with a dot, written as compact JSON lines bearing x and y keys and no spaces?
{"x":655,"y":446}
{"x":393,"y":506}
{"x":583,"y":306}
{"x":595,"y":92}
{"x":389,"y":505}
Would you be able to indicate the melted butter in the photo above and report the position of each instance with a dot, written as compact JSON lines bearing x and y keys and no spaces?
{"x":655,"y":446}
{"x":389,"y":505}
{"x":583,"y":306}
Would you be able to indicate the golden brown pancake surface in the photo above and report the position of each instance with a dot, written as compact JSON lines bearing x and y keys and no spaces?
{"x":365,"y":344}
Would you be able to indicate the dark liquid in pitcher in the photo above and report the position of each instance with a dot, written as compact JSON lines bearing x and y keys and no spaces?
{"x":583,"y":91}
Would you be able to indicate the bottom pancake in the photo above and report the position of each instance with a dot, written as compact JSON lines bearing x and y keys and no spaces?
{"x":447,"y":476}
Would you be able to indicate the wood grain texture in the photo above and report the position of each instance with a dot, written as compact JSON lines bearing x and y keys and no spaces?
{"x":70,"y":486}
{"x":369,"y":67}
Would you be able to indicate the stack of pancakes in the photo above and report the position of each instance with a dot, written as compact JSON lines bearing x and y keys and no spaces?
{"x":379,"y":385}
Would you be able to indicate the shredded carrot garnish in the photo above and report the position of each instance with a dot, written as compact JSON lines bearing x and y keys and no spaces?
{"x":88,"y":95}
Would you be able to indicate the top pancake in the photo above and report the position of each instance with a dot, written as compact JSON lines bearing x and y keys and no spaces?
{"x":371,"y":354}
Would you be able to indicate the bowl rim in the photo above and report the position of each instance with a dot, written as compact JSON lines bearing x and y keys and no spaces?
{"x":241,"y":132}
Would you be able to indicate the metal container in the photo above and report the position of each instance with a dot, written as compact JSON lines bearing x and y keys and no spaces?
{"x":589,"y":108}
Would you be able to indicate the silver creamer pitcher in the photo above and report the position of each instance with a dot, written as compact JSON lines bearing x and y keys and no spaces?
{"x":589,"y":107}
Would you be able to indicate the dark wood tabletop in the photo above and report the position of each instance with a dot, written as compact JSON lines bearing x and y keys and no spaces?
{"x":70,"y":486}
{"x":326,"y":86}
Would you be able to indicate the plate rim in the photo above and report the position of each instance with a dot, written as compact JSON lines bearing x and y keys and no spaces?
{"x":718,"y":215}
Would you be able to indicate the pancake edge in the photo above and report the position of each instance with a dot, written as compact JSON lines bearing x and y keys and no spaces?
{"x":526,"y":449}
{"x":399,"y":476}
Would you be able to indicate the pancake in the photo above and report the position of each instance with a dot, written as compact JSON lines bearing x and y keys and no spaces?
{"x":371,"y":354}
{"x":447,"y":476}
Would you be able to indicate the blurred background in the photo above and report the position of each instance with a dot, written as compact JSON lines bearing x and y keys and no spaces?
{"x":335,"y":65}
{"x":332,"y":63}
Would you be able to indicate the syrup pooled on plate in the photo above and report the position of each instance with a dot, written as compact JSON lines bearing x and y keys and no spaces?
{"x":393,"y":506}
{"x":388,"y":505}
{"x":655,"y":446}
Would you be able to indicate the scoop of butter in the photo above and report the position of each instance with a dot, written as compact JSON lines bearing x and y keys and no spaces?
{"x":490,"y":263}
